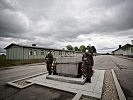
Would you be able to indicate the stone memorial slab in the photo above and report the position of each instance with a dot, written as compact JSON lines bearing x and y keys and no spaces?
{"x":68,"y":66}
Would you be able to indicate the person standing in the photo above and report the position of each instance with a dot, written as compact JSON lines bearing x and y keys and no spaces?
{"x":49,"y":58}
{"x":88,"y":62}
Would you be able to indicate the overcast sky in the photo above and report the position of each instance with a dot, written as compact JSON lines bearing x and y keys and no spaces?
{"x":57,"y":23}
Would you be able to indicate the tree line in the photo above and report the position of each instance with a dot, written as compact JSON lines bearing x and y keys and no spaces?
{"x":82,"y":48}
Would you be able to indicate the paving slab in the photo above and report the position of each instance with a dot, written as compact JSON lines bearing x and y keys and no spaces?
{"x":93,"y":89}
{"x":22,"y":83}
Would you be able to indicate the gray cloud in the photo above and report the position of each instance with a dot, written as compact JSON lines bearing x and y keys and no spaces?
{"x":52,"y":23}
{"x":12,"y":22}
{"x":106,"y":48}
{"x":130,"y":36}
{"x":5,"y":4}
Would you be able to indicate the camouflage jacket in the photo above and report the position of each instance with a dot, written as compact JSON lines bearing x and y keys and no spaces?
{"x":88,"y":59}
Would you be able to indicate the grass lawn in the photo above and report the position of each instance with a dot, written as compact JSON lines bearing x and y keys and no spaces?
{"x":6,"y":63}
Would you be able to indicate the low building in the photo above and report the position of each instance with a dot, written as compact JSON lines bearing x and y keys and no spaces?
{"x":126,"y":50}
{"x":23,"y":52}
{"x":118,"y":51}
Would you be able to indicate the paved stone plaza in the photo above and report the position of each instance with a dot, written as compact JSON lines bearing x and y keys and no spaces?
{"x":93,"y":89}
{"x":42,"y":88}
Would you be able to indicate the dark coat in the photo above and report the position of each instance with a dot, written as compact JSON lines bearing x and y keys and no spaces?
{"x":49,"y":58}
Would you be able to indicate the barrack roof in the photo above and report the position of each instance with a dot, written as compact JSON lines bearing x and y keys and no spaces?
{"x":35,"y":47}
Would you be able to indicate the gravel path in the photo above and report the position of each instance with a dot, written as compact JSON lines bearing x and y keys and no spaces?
{"x":109,"y":89}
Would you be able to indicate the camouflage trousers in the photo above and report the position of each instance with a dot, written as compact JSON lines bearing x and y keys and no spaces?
{"x":86,"y":70}
{"x":49,"y":65}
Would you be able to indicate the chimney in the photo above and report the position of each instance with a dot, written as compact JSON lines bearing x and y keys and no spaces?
{"x":33,"y":44}
{"x":119,"y":46}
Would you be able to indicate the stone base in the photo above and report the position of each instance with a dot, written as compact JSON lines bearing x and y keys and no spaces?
{"x":68,"y":75}
{"x":66,"y":79}
{"x":93,"y":89}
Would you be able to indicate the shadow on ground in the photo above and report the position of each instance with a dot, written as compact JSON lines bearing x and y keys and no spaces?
{"x":36,"y":92}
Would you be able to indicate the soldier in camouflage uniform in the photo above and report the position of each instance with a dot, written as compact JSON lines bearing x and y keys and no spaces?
{"x":49,"y":58}
{"x":88,"y":62}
